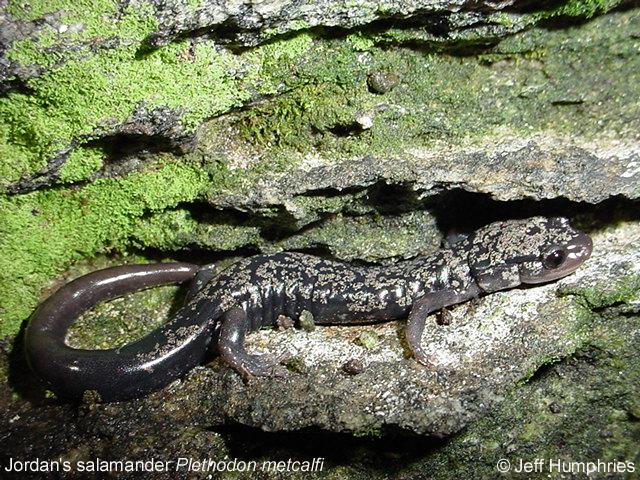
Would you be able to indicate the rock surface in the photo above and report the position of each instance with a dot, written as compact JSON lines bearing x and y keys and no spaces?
{"x":49,"y":58}
{"x":248,"y":23}
{"x":537,"y":168}
{"x":551,"y":367}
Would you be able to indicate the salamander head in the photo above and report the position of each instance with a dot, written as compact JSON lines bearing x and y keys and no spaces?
{"x":534,"y":250}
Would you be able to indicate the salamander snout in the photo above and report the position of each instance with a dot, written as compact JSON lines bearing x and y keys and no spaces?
{"x":579,"y":250}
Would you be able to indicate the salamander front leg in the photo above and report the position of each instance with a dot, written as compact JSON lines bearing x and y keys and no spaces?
{"x":233,"y":329}
{"x":420,"y":311}
{"x":415,"y":327}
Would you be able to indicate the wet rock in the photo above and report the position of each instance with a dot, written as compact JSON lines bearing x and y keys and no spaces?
{"x":353,"y":366}
{"x":240,"y":23}
{"x":126,"y":144}
{"x":247,"y":23}
{"x":433,"y":115}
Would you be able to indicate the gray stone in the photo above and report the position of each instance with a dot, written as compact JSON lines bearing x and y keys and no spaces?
{"x":248,"y":23}
{"x":536,"y":168}
{"x":145,"y":131}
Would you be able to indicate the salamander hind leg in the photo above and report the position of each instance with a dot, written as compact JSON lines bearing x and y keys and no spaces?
{"x":233,"y":329}
{"x":205,"y":274}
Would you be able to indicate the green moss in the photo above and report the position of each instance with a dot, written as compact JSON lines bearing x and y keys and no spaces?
{"x":622,"y":290}
{"x":576,"y":323}
{"x":505,"y":19}
{"x":370,"y":238}
{"x":540,"y":364}
{"x":81,"y":164}
{"x":99,"y":92}
{"x":307,"y":117}
{"x":289,"y":29}
{"x":123,"y":320}
{"x":576,"y":409}
{"x":100,"y":21}
{"x":177,"y":230}
{"x":582,"y":320}
{"x":529,"y":83}
{"x":276,"y":63}
{"x":439,"y":98}
{"x":89,"y":91}
{"x":582,"y":8}
{"x":43,"y":232}
{"x":77,"y":9}
{"x":296,"y":364}
{"x":361,"y":42}
{"x":194,"y":5}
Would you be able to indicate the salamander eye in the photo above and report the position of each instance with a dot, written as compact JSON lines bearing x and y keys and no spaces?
{"x":554,"y":258}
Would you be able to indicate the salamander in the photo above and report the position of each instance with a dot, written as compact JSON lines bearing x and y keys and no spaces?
{"x":223,"y":306}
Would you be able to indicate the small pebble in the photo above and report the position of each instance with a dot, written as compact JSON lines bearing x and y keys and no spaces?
{"x":368,"y":339}
{"x":284,"y":323}
{"x":554,"y":407}
{"x":444,"y":317}
{"x":295,"y":364}
{"x":365,"y":121}
{"x":353,"y":366}
{"x":306,"y":321}
{"x":382,"y":82}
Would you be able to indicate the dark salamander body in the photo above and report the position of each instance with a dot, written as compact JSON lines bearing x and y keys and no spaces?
{"x":253,"y":292}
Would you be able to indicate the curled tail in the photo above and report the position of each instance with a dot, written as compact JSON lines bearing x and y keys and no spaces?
{"x":132,"y":370}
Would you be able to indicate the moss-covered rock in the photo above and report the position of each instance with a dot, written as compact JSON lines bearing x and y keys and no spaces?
{"x":45,"y":230}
